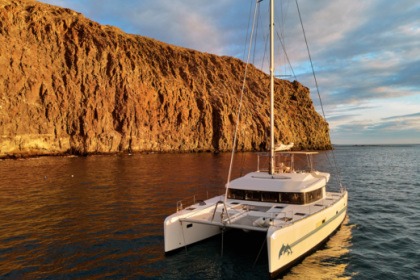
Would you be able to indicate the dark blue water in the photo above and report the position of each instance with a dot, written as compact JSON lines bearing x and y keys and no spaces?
{"x":101,"y":217}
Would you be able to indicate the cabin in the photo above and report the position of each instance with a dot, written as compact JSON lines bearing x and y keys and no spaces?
{"x":292,"y":183}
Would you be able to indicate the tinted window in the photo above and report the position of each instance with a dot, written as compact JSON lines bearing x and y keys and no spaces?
{"x":313,"y":195}
{"x":285,"y":197}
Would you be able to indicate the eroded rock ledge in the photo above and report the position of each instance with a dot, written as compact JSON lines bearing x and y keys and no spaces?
{"x":70,"y":85}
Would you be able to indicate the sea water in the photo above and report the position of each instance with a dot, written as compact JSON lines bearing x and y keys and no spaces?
{"x":101,"y":217}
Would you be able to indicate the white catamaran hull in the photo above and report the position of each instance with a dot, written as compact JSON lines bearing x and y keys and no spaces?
{"x":179,"y":233}
{"x":290,"y":244}
{"x":286,"y":244}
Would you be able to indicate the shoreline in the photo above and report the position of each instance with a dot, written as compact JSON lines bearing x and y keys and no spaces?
{"x":23,"y":156}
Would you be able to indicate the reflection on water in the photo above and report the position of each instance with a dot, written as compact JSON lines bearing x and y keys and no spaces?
{"x":102,"y":217}
{"x":326,"y":263}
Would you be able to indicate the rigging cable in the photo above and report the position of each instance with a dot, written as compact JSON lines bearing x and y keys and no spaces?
{"x":281,"y":37}
{"x":310,"y":58}
{"x":249,"y":22}
{"x":240,"y":103}
{"x":285,"y":54}
{"x":256,"y":32}
{"x":259,"y":253}
{"x":317,"y":89}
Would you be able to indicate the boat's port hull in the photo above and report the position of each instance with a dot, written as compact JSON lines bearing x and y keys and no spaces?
{"x":179,"y":233}
{"x":290,"y":244}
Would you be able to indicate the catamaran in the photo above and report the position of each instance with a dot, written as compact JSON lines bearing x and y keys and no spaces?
{"x":286,"y":201}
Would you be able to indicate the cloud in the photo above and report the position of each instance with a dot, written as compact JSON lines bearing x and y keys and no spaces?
{"x":404,"y":129}
{"x":409,"y":116}
{"x":375,"y":60}
{"x":183,"y":23}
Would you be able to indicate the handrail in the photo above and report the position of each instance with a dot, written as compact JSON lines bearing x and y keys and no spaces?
{"x":180,"y":203}
{"x":224,"y":210}
{"x":191,"y":200}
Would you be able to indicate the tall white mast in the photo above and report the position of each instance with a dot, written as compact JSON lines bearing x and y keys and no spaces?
{"x":271,"y":86}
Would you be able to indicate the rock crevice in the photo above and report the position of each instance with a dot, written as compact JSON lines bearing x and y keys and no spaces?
{"x":71,"y":85}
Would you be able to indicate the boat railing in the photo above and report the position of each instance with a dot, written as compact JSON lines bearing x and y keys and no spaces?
{"x":191,"y":200}
{"x":181,"y":204}
{"x":286,"y":162}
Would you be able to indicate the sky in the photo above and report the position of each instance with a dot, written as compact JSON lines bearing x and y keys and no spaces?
{"x":366,"y":53}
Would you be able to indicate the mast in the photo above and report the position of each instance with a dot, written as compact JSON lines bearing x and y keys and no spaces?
{"x":271,"y":87}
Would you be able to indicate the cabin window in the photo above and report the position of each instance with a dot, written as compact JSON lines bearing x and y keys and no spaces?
{"x":269,"y":196}
{"x":313,"y":195}
{"x":236,"y":194}
{"x":253,"y":195}
{"x":245,"y":195}
{"x":289,"y":198}
{"x":292,"y":198}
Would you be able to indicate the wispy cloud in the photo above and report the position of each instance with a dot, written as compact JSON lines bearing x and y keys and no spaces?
{"x":409,"y":116}
{"x":389,"y":130}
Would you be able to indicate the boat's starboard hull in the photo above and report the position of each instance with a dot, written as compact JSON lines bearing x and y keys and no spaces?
{"x":290,"y":244}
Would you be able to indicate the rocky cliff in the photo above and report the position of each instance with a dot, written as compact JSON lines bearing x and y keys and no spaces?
{"x":71,"y":85}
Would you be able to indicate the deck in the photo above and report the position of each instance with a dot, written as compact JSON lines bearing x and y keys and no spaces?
{"x":252,"y":215}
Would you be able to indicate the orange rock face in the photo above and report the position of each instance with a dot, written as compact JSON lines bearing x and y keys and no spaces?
{"x":70,"y":85}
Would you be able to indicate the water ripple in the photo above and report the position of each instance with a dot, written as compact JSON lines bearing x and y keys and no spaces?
{"x":101,"y":217}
